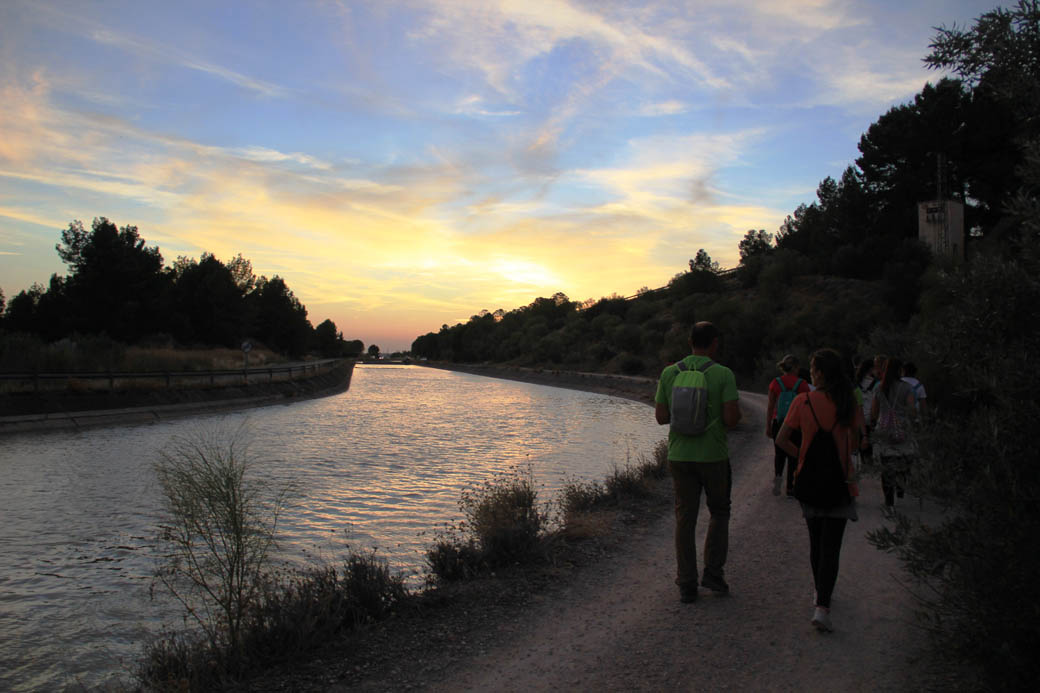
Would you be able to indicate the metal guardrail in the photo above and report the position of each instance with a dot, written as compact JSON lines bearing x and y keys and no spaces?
{"x":15,"y":383}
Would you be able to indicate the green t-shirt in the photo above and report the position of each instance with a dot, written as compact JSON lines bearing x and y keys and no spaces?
{"x":711,"y":445}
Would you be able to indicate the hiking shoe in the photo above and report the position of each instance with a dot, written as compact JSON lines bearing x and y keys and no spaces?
{"x":715,"y":584}
{"x":821,"y":620}
{"x":776,"y":485}
{"x":688,"y":595}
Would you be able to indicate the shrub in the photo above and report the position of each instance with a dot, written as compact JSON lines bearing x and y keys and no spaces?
{"x":218,"y":530}
{"x":451,"y":559}
{"x":503,"y":516}
{"x":290,"y":615}
{"x":634,"y":479}
{"x":628,"y":481}
{"x":502,"y":523}
{"x":976,"y":567}
{"x":578,"y":496}
{"x":307,"y":608}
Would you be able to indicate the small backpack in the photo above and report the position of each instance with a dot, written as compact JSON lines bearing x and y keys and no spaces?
{"x":821,"y":481}
{"x":891,"y":427}
{"x":690,"y":400}
{"x":916,"y":389}
{"x":786,"y":397}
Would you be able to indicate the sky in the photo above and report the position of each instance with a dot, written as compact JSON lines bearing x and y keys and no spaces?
{"x":404,"y":165}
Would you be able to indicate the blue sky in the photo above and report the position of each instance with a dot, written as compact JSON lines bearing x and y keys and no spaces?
{"x":407,"y":164}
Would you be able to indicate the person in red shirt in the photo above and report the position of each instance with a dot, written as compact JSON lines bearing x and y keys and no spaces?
{"x":782,"y":391}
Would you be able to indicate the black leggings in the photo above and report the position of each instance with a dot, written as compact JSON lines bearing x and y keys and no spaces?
{"x":825,"y":535}
{"x":780,"y":457}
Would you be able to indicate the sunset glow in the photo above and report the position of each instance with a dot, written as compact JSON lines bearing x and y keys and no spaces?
{"x":403,"y":165}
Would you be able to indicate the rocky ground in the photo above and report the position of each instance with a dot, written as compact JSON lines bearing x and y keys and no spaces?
{"x":603,"y":613}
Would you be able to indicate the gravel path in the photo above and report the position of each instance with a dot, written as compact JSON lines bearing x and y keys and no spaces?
{"x":621,"y":627}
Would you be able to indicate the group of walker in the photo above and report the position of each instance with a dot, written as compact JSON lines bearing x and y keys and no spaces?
{"x":801,"y":404}
{"x":891,"y":397}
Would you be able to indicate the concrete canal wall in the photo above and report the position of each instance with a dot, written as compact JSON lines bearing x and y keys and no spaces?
{"x":163,"y":396}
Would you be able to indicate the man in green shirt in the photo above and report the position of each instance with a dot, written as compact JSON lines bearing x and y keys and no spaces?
{"x":701,"y":462}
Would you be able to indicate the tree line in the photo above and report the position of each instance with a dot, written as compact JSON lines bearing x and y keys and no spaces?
{"x":118,"y":286}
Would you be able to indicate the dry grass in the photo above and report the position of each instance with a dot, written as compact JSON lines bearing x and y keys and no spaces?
{"x":20,"y":353}
{"x":170,"y":359}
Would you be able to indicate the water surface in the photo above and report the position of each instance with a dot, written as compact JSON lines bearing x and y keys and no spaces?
{"x":378,"y":466}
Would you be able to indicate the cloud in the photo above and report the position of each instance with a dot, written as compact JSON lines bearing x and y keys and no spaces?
{"x":473,"y":105}
{"x":664,"y":108}
{"x":498,"y":38}
{"x":153,"y":50}
{"x":30,"y":217}
{"x":661,"y":166}
{"x":265,"y":155}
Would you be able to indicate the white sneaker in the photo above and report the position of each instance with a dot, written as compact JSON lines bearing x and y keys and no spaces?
{"x":822,"y":619}
{"x":777,"y":483}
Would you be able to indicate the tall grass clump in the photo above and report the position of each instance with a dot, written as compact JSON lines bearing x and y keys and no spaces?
{"x":292,"y":613}
{"x":217,"y":531}
{"x":976,"y":568}
{"x":632,"y":480}
{"x":502,"y":524}
{"x":306,"y":608}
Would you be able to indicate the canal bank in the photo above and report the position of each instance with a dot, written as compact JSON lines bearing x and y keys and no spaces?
{"x":69,"y":410}
{"x":636,"y":388}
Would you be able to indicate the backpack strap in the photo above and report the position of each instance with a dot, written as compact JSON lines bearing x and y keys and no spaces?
{"x":681,"y":365}
{"x":808,"y":399}
{"x":797,"y":384}
{"x":819,"y":426}
{"x":780,"y":382}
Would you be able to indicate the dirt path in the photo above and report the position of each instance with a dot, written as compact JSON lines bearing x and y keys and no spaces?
{"x":622,"y":627}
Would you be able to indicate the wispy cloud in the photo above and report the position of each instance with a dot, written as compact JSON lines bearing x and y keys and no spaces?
{"x":31,"y":217}
{"x":664,"y":108}
{"x":154,"y":50}
{"x":265,"y":155}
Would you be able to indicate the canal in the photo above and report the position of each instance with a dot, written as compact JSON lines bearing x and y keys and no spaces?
{"x":380,"y":466}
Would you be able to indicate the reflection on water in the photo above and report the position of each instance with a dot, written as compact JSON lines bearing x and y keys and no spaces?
{"x":373,"y":467}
